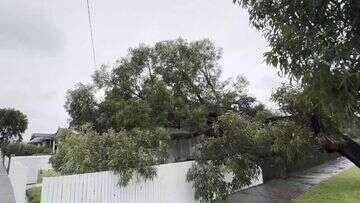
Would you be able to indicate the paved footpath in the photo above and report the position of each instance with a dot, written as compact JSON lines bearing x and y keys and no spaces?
{"x":284,"y":190}
{"x":6,"y":190}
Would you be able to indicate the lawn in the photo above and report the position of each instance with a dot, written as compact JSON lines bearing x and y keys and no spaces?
{"x":47,"y":173}
{"x":34,"y":195}
{"x":344,"y":187}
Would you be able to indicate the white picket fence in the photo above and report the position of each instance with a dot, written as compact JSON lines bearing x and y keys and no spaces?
{"x":169,"y":185}
{"x":23,"y":171}
{"x":17,"y":176}
{"x":33,"y":164}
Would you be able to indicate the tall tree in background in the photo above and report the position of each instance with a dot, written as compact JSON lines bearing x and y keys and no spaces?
{"x":173,"y":84}
{"x":81,"y":105}
{"x":13,"y":124}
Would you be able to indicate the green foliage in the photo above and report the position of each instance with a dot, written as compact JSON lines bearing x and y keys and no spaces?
{"x":293,"y":101}
{"x":12,"y":124}
{"x":124,"y":152}
{"x":173,"y":84}
{"x":81,"y":105}
{"x":47,"y":173}
{"x":243,"y":145}
{"x":34,"y":195}
{"x":316,"y":43}
{"x":23,"y":149}
{"x":234,"y":153}
{"x":284,"y":143}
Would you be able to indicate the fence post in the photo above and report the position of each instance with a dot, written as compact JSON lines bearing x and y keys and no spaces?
{"x":9,"y":162}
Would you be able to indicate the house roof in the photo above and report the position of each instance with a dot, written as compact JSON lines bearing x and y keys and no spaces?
{"x":40,"y":137}
{"x":181,"y":134}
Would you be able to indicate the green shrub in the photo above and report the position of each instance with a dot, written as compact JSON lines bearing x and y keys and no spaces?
{"x":47,"y":173}
{"x":34,"y":195}
{"x":125,"y":152}
{"x":23,"y":149}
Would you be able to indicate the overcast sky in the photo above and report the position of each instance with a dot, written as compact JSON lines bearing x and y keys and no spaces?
{"x":45,"y":46}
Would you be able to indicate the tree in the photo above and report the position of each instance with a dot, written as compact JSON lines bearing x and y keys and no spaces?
{"x":176,"y":84}
{"x":319,"y":47}
{"x":317,"y":43}
{"x":324,"y":131}
{"x":81,"y":105}
{"x":12,"y":124}
{"x":173,"y":84}
{"x":242,"y":146}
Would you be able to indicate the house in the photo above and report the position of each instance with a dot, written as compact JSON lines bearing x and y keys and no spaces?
{"x":182,"y":145}
{"x":43,"y":139}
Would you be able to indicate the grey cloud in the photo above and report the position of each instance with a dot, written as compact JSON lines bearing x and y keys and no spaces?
{"x":31,"y":31}
{"x":25,"y":26}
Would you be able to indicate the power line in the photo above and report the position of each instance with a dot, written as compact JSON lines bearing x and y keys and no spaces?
{"x":91,"y":32}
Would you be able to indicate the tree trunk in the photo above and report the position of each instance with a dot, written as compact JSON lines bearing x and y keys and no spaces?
{"x":349,"y":149}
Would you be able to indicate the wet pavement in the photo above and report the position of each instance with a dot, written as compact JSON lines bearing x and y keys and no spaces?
{"x":6,"y":190}
{"x":284,"y":190}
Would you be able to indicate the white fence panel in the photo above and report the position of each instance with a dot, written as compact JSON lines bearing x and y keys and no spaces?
{"x":169,"y":185}
{"x":24,"y":170}
{"x":17,"y":175}
{"x":33,"y":164}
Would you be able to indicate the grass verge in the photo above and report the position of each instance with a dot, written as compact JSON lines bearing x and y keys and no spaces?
{"x":344,"y":187}
{"x":34,"y":195}
{"x":47,"y":173}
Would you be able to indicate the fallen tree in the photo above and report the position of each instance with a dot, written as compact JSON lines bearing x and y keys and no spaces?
{"x":317,"y":47}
